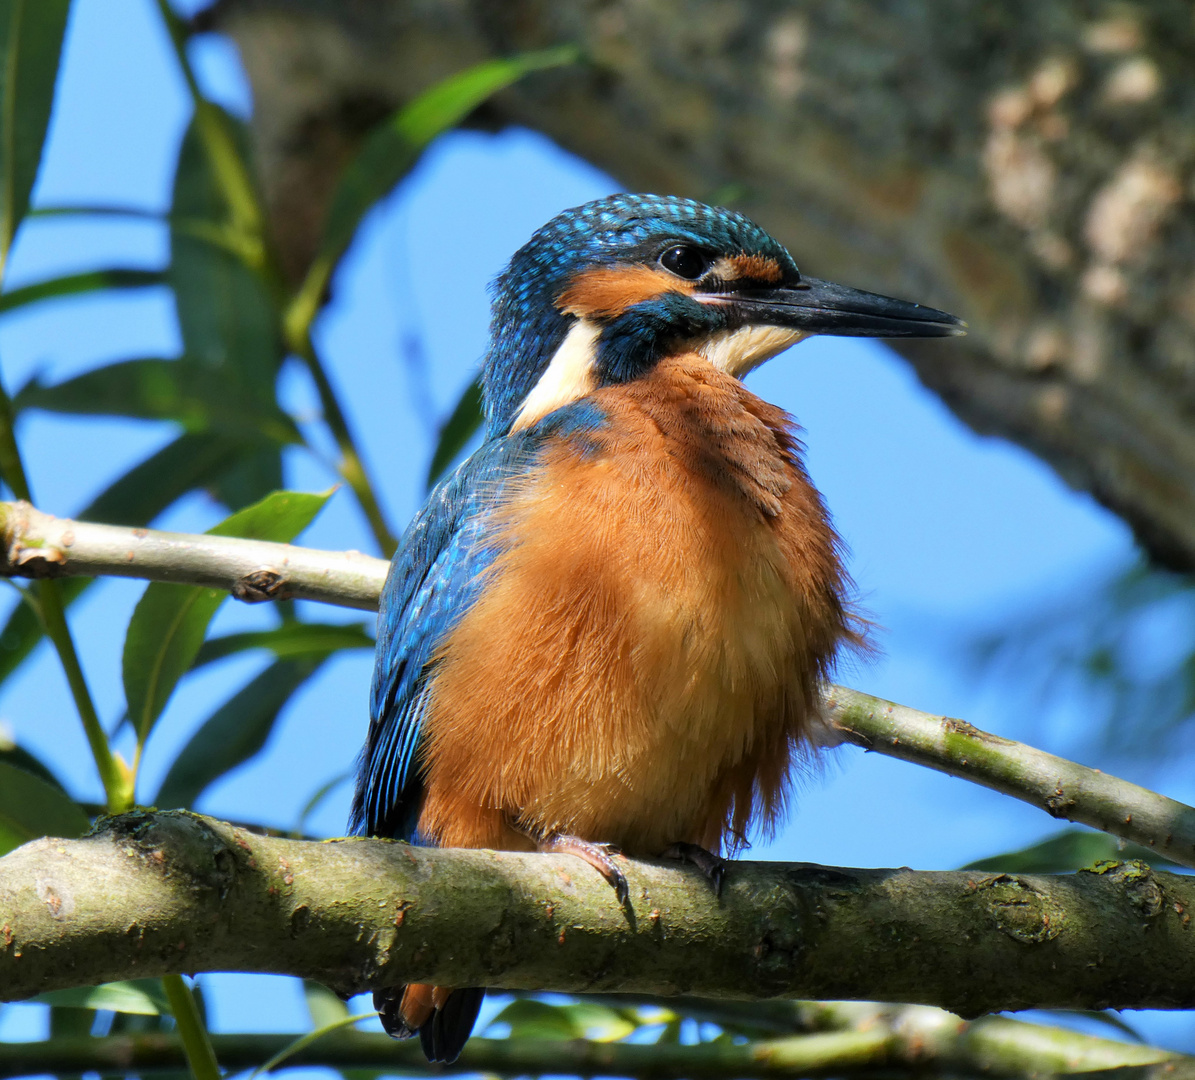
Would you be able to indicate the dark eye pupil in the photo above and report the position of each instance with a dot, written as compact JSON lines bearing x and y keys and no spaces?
{"x":684,"y":261}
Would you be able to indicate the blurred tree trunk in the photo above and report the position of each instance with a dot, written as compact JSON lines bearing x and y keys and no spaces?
{"x":1027,"y":164}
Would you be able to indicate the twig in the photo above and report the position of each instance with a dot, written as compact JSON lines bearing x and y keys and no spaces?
{"x":160,"y":893}
{"x":1063,"y":789}
{"x":938,"y":1043}
{"x":38,"y":545}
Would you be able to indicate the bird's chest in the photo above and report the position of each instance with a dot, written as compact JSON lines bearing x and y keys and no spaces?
{"x":647,"y":631}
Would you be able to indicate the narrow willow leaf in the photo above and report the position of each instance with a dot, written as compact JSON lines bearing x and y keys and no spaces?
{"x":75,"y":284}
{"x":531,"y":1018}
{"x":67,"y":1022}
{"x":323,"y":1006}
{"x":303,"y":1041}
{"x":30,"y":807}
{"x":192,"y":461}
{"x":1071,"y":849}
{"x":456,"y":431}
{"x":291,"y":641}
{"x":30,"y":45}
{"x":393,"y":147}
{"x":138,"y":997}
{"x":233,"y":733}
{"x":227,"y":314}
{"x":189,"y":393}
{"x":170,"y":621}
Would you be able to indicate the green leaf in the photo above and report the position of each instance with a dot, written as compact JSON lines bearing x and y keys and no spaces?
{"x":251,"y":477}
{"x":530,"y":1018}
{"x":193,"y":460}
{"x":291,"y":641}
{"x":75,"y":284}
{"x":233,"y":733}
{"x":456,"y":431}
{"x":303,"y":1041}
{"x":66,"y":1023}
{"x":170,"y":621}
{"x":227,"y":313}
{"x":192,"y":394}
{"x":30,"y":807}
{"x":392,"y":148}
{"x":279,"y":517}
{"x":1071,"y":849}
{"x":139,"y":997}
{"x":323,"y":1006}
{"x":30,"y":45}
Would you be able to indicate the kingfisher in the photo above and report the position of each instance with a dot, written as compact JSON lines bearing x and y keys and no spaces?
{"x":606,"y":632}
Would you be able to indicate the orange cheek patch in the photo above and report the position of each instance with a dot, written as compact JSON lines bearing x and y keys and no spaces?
{"x":757,"y":268}
{"x":608,"y":291}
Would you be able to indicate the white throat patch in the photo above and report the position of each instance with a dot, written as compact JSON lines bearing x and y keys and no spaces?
{"x":737,"y":352}
{"x":568,"y":376}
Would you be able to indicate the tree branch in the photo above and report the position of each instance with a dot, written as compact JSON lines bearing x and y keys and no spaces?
{"x":1063,"y":789}
{"x":35,"y":544}
{"x":38,"y":545}
{"x":158,"y":893}
{"x":919,"y":1038}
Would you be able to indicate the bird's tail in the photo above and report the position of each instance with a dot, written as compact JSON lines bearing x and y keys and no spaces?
{"x":442,"y":1017}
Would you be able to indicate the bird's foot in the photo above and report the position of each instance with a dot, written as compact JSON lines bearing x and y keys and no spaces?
{"x":599,"y":856}
{"x":711,"y":865}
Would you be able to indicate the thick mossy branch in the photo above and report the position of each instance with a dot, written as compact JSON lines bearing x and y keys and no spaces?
{"x":35,"y":544}
{"x":155,"y":893}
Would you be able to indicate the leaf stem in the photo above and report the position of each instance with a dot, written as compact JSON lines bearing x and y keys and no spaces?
{"x":118,"y":787}
{"x":197,"y":1044}
{"x":228,"y":168}
{"x":351,"y":466}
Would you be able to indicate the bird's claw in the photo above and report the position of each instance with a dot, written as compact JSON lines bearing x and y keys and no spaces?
{"x":599,"y":856}
{"x":712,"y":866}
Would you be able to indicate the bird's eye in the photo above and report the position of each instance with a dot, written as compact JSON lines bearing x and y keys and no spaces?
{"x":685,"y":261}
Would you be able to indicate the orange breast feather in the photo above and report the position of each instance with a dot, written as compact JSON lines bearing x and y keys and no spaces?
{"x":644,"y":659}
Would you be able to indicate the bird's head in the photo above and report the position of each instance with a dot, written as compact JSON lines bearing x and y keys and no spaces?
{"x":604,"y":291}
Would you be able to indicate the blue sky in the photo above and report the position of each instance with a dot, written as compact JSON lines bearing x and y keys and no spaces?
{"x":949,"y":532}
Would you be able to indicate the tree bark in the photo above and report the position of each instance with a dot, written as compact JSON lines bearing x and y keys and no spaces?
{"x":160,"y":893}
{"x":1027,"y":165}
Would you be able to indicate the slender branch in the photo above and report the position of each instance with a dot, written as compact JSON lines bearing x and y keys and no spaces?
{"x":159,"y":893}
{"x":38,"y":545}
{"x":921,"y":1039}
{"x":117,"y":781}
{"x":196,"y":1042}
{"x":1063,"y":789}
{"x":351,"y":465}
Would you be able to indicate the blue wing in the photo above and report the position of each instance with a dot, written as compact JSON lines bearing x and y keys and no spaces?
{"x":434,"y":579}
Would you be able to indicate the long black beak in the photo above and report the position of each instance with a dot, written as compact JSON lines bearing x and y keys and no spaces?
{"x":821,"y":307}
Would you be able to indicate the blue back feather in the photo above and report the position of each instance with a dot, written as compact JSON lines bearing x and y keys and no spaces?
{"x":435,"y":578}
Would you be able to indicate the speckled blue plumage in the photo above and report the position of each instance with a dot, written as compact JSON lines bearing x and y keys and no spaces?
{"x":526,"y":329}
